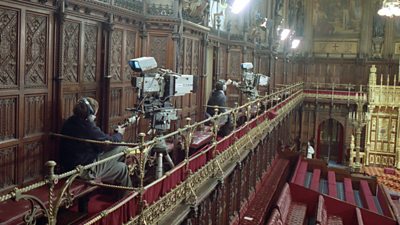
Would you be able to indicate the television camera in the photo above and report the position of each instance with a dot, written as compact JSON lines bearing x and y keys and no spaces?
{"x":155,"y":87}
{"x":250,"y":81}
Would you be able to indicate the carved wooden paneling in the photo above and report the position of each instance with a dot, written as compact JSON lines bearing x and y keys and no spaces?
{"x":130,"y":52}
{"x":36,"y":51}
{"x":115,"y":102}
{"x":34,"y":114}
{"x":71,"y":51}
{"x":223,"y":56}
{"x":8,"y":48}
{"x":33,"y":160}
{"x":90,"y":53}
{"x":8,"y":118}
{"x":188,"y":56}
{"x":116,"y":54}
{"x":235,"y":60}
{"x":196,"y":57}
{"x":181,"y":57}
{"x":8,"y":157}
{"x":69,"y":102}
{"x":159,"y":49}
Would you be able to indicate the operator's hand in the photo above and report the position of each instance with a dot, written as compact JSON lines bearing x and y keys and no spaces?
{"x":120,"y":130}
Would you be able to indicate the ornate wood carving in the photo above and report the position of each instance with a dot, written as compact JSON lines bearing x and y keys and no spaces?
{"x":116,"y":54}
{"x":115,"y":103}
{"x":181,"y":57}
{"x":188,"y":56}
{"x":71,"y":51}
{"x":8,"y":48}
{"x":222,"y":62}
{"x":7,"y":169}
{"x":33,"y":160}
{"x":8,"y":123}
{"x":90,"y":53}
{"x":158,"y":49}
{"x":130,"y":52}
{"x":34,"y":114}
{"x":36,"y":50}
{"x":69,"y":102}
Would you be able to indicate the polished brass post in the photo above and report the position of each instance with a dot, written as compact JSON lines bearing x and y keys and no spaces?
{"x":142,"y":162}
{"x":52,"y":182}
{"x":188,"y":140}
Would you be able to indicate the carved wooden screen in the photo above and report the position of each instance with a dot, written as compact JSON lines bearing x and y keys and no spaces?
{"x":234,"y":73}
{"x":80,"y":62}
{"x":25,"y":93}
{"x":192,"y":64}
{"x":122,"y":95}
{"x":382,"y":137}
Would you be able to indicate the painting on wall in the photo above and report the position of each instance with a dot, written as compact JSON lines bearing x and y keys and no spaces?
{"x":337,"y":18}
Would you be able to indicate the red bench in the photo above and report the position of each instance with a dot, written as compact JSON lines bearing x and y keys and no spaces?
{"x":315,"y":180}
{"x":301,"y":173}
{"x":367,"y":197}
{"x":13,"y":212}
{"x":291,"y":212}
{"x":348,"y":191}
{"x":323,"y":218}
{"x":332,"y":184}
{"x":275,"y":218}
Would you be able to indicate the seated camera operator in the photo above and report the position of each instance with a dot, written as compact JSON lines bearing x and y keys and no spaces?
{"x":72,"y":152}
{"x":218,"y":100}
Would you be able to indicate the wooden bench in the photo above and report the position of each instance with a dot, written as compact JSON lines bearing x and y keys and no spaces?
{"x":13,"y":212}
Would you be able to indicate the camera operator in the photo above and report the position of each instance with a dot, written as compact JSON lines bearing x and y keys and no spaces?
{"x":218,"y":100}
{"x":72,"y":152}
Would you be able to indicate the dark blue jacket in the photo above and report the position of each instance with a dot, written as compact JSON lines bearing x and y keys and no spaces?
{"x":73,"y":153}
{"x":217,"y":98}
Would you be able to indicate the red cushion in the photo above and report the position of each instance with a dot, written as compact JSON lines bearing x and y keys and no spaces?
{"x":389,"y":171}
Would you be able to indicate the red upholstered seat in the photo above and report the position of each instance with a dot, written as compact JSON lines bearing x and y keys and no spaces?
{"x":275,"y":218}
{"x":391,"y":171}
{"x":335,"y":220}
{"x":13,"y":212}
{"x":291,"y":212}
{"x":297,"y":214}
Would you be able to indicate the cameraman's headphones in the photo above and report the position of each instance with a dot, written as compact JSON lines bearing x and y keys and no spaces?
{"x":88,"y":107}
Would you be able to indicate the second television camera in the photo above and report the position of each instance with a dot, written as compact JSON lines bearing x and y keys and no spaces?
{"x":250,"y":81}
{"x":155,"y":88}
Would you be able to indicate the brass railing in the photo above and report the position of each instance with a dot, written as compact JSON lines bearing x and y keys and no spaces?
{"x":289,"y":97}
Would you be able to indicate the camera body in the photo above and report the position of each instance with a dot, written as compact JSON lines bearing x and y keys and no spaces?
{"x":250,"y":81}
{"x":155,"y":87}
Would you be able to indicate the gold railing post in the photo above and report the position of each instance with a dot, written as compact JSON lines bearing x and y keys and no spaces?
{"x":142,"y":162}
{"x":52,"y":219}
